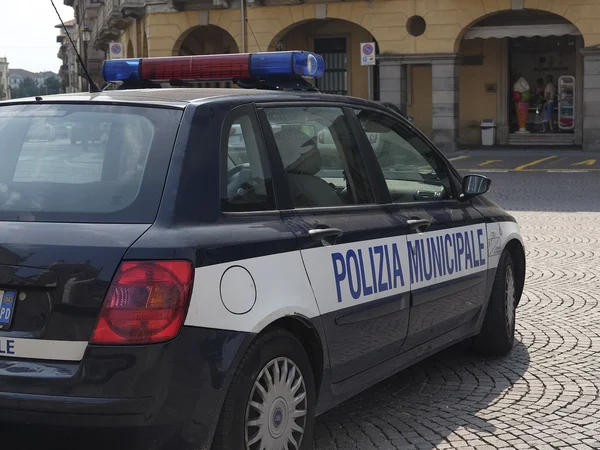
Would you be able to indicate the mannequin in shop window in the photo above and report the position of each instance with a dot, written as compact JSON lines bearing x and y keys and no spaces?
{"x":540,"y":100}
{"x":549,"y":92}
{"x":540,"y":87}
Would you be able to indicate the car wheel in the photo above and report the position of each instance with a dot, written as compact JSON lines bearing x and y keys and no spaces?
{"x":497,"y":334}
{"x":271,"y":401}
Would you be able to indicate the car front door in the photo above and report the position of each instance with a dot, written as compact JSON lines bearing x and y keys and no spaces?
{"x":352,"y":247}
{"x":447,"y":245}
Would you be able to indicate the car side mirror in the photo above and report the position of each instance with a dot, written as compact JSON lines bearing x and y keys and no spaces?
{"x":474,"y":185}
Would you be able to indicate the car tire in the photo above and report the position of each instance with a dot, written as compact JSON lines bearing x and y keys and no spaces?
{"x":240,"y":421}
{"x":497,"y":334}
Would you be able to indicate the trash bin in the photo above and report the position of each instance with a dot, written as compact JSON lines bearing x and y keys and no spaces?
{"x":488,"y":132}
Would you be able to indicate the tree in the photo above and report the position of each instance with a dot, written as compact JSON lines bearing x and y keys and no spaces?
{"x":27,"y":88}
{"x":51,"y":86}
{"x":30,"y":88}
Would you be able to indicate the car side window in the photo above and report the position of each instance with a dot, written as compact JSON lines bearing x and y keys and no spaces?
{"x":320,"y":157}
{"x":412,"y":170}
{"x":245,"y":179}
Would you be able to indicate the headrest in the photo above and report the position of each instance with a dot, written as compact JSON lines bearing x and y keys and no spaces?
{"x":298,"y":150}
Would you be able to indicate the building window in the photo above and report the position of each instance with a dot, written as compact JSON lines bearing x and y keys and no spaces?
{"x":335,"y":78}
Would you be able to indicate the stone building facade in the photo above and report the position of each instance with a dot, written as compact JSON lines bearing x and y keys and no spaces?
{"x":447,"y":63}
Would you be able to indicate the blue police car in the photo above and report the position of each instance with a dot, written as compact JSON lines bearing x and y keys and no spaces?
{"x":204,"y":263}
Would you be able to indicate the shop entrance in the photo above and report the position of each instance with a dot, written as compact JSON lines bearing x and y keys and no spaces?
{"x":549,"y":66}
{"x":540,"y":47}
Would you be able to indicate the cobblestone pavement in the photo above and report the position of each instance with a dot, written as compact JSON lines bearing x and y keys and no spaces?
{"x":543,"y":395}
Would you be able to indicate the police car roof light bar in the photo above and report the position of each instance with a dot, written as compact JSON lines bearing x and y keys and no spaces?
{"x":248,"y":68}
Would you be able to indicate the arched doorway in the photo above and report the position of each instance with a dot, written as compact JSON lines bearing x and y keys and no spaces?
{"x":338,"y":41}
{"x":205,"y":40}
{"x":504,"y":47}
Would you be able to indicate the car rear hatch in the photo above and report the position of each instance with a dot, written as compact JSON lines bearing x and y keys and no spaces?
{"x":69,"y":210}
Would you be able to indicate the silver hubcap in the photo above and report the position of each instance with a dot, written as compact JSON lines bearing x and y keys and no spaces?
{"x":276,"y":412}
{"x":509,"y":291}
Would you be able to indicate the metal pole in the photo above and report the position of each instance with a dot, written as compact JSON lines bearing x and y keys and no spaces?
{"x":369,"y":76}
{"x":243,"y":18}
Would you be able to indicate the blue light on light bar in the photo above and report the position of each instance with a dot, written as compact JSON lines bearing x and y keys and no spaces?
{"x":293,"y":63}
{"x":121,"y":70}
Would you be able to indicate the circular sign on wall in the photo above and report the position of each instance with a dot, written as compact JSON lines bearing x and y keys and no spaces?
{"x":116,"y":50}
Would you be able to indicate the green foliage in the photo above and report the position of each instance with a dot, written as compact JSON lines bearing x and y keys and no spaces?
{"x":51,"y":86}
{"x":30,"y":88}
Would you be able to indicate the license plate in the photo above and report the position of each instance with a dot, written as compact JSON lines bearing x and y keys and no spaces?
{"x":7,"y":307}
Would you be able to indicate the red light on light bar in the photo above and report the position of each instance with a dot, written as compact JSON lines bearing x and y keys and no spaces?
{"x":200,"y":68}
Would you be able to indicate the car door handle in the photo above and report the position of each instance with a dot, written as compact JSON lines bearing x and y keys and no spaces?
{"x":325,"y":235}
{"x":417,"y":224}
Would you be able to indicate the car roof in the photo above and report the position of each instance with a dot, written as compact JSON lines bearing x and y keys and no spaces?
{"x":159,"y":96}
{"x":181,"y":97}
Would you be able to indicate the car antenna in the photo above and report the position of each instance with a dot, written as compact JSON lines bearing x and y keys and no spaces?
{"x":93,"y":86}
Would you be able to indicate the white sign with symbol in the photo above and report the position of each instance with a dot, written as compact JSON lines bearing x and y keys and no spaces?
{"x":116,"y":50}
{"x":367,"y":54}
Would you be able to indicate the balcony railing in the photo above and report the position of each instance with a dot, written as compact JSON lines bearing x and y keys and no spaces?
{"x":133,"y":8}
{"x":190,"y":5}
{"x":109,"y":23}
{"x":92,"y":8}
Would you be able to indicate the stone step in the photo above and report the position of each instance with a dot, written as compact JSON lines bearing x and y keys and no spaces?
{"x":540,"y":139}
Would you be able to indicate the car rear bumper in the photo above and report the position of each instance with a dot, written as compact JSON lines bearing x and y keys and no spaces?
{"x":74,"y":411}
{"x":156,"y":386}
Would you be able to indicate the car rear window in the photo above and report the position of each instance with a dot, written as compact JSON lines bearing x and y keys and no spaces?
{"x":84,"y":162}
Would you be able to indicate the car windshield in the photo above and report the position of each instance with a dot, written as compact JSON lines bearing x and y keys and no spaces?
{"x":82,"y":163}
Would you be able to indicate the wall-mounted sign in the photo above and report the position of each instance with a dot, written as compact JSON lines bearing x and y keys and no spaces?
{"x":491,"y":88}
{"x":116,"y":50}
{"x":367,"y":54}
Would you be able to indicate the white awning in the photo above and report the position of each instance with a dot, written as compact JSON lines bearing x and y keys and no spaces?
{"x":516,"y":31}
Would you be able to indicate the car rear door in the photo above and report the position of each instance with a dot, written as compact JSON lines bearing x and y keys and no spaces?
{"x":447,"y":244}
{"x":352,"y":247}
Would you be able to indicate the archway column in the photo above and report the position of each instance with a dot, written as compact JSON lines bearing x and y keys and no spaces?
{"x":392,"y":81}
{"x":445,"y":70}
{"x":591,"y":98}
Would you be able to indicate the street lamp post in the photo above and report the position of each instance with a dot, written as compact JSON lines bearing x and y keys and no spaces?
{"x":87,"y":37}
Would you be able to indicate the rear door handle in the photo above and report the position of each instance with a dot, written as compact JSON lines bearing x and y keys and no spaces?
{"x":418,"y":224}
{"x":327,"y":236}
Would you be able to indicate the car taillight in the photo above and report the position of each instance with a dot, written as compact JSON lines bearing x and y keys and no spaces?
{"x":146,"y":303}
